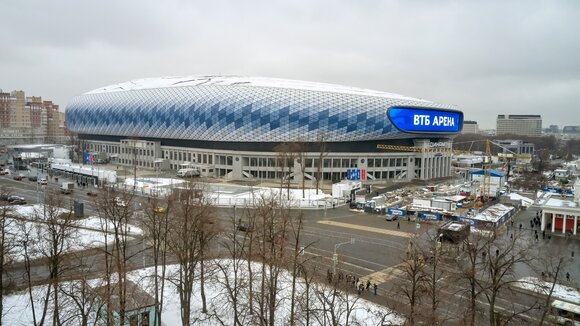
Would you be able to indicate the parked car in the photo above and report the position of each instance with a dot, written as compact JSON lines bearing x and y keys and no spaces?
{"x":4,"y":172}
{"x":32,"y":178}
{"x":18,"y":177}
{"x":244,"y":227}
{"x":160,"y":209}
{"x":16,"y":200}
{"x":391,"y":217}
{"x":43,"y":181}
{"x":92,"y":194}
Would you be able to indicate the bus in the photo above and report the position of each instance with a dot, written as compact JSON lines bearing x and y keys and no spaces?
{"x":565,"y":313}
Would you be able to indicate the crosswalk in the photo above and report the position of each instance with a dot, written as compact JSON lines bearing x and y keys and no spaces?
{"x":384,"y":275}
{"x":367,"y":228}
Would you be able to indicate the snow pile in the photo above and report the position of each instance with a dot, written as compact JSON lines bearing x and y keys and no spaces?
{"x":560,"y":291}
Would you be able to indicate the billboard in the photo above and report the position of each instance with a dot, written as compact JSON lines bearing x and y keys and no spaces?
{"x":88,"y":158}
{"x":409,"y":119}
{"x":356,"y":174}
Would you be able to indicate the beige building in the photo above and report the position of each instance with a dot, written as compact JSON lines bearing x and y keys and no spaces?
{"x":524,"y":125}
{"x":29,"y":119}
{"x":470,"y":127}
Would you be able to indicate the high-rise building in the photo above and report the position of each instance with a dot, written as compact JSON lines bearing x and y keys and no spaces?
{"x":470,"y":127}
{"x":29,"y":119}
{"x":6,"y":101}
{"x":524,"y":125}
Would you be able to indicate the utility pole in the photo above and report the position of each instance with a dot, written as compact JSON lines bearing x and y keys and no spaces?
{"x":335,"y":255}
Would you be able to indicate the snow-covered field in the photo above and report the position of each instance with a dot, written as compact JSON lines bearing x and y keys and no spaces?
{"x":32,"y":233}
{"x":362,"y":312}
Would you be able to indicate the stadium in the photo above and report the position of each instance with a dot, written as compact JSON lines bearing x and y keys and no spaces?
{"x":233,"y":127}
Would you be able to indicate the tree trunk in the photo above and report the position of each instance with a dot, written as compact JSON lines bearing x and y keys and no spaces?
{"x":202,"y":281}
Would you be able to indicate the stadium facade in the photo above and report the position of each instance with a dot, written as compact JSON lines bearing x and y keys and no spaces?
{"x":233,"y":127}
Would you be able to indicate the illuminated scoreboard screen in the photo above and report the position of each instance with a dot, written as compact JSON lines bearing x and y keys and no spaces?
{"x":410,"y":119}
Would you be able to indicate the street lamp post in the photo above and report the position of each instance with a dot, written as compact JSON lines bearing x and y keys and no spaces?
{"x":335,"y":255}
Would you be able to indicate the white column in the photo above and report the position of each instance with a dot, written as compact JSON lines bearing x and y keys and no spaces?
{"x":564,"y":222}
{"x":543,"y":223}
{"x":553,"y":222}
{"x":575,"y":224}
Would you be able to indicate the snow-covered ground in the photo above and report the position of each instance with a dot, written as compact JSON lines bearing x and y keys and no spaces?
{"x":96,"y":223}
{"x":560,"y":291}
{"x":34,"y":234}
{"x":363,"y":312}
{"x":239,"y":195}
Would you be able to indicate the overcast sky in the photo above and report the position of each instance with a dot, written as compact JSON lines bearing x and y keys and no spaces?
{"x":486,"y":57}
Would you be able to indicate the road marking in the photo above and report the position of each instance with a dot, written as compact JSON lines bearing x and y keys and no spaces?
{"x":367,"y":228}
{"x":384,"y":275}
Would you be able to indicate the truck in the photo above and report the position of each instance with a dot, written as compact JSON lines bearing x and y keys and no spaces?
{"x":188,"y":173}
{"x":67,"y":187}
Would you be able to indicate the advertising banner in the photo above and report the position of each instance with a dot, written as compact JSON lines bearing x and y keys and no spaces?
{"x":425,"y":120}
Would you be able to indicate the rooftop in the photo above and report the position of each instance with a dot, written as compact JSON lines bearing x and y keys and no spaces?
{"x":493,"y":213}
{"x":181,"y":81}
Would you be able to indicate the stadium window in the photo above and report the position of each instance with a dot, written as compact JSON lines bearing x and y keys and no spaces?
{"x":371,"y":163}
{"x":345,"y":163}
{"x":198,"y":158}
{"x":210,"y":159}
{"x":230,"y":160}
{"x":204,"y":158}
{"x":335,"y":164}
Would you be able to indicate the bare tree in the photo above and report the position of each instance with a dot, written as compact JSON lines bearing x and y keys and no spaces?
{"x":413,"y":273}
{"x":157,"y":227}
{"x":553,"y":265}
{"x":286,"y":153}
{"x":232,"y":276}
{"x":56,"y":239}
{"x":81,"y":305}
{"x":301,"y":154}
{"x":115,"y":210}
{"x":502,"y":256}
{"x":25,"y":243}
{"x":322,"y":152}
{"x":191,"y":214}
{"x":6,"y":246}
{"x":468,"y":271}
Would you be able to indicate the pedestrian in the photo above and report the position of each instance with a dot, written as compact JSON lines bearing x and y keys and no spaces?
{"x":536,"y":237}
{"x":497,"y":252}
{"x":408,"y":219}
{"x":520,"y":226}
{"x":368,"y":284}
{"x":536,"y":232}
{"x":375,"y":288}
{"x":572,"y":254}
{"x":568,"y":276}
{"x":358,"y":289}
{"x":398,"y":225}
{"x":511,"y":236}
{"x":333,"y":205}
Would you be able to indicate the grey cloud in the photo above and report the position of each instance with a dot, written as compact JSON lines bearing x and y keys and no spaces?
{"x":487,"y":57}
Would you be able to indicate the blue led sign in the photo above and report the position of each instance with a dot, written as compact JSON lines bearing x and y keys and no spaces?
{"x":425,"y":120}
